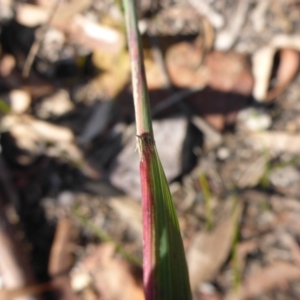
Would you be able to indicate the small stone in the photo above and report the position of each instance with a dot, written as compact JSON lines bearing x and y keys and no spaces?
{"x":53,"y":43}
{"x":207,"y":288}
{"x":253,"y":119}
{"x":223,"y":153}
{"x":170,"y":137}
{"x":80,"y":280}
{"x":285,"y":177}
{"x":19,"y":100}
{"x":65,"y":198}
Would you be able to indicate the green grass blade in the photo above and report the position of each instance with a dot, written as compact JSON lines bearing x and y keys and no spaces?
{"x":164,"y":264}
{"x":165,"y":267}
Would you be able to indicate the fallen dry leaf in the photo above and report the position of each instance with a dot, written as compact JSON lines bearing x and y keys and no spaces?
{"x":227,"y":76}
{"x":46,"y":131}
{"x":222,"y":71}
{"x":36,"y":137}
{"x":287,"y":214}
{"x":209,"y":250}
{"x":288,"y":47}
{"x":229,"y":72}
{"x":289,"y":61}
{"x":252,"y":172}
{"x":263,"y":280}
{"x":243,"y":249}
{"x":290,"y":242}
{"x":186,"y":73}
{"x":276,"y":142}
{"x":113,"y":277}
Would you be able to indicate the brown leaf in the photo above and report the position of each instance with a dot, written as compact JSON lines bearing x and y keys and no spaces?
{"x":183,"y":64}
{"x":225,"y":78}
{"x":252,"y":172}
{"x":229,"y":72}
{"x":287,"y":70}
{"x":270,"y":277}
{"x":113,"y":277}
{"x":209,"y":250}
{"x":222,"y":71}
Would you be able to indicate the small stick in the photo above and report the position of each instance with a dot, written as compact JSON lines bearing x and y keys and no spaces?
{"x":60,"y":261}
{"x":38,"y":41}
{"x":29,"y":290}
{"x":14,"y":266}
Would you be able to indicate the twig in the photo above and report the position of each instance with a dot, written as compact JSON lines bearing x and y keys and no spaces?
{"x":38,"y":41}
{"x":207,"y":201}
{"x":60,"y":261}
{"x":26,"y":291}
{"x":97,"y":123}
{"x":173,"y":99}
{"x":14,"y":267}
{"x":227,"y":37}
{"x":203,"y":8}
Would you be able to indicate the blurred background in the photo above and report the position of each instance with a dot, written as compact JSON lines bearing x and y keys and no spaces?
{"x":224,"y":89}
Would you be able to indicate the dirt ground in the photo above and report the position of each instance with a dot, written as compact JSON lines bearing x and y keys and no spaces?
{"x":224,"y":83}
